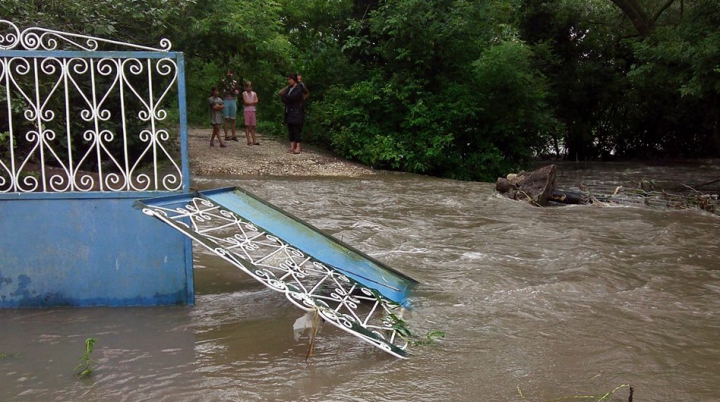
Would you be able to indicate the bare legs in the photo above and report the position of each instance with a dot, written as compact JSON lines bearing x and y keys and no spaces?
{"x":250,"y":135}
{"x":232,"y":127}
{"x":216,"y":133}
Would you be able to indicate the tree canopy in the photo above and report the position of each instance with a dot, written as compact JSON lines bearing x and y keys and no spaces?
{"x":466,"y":89}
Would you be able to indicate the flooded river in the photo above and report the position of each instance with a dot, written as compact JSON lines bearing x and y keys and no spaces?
{"x":536,"y":304}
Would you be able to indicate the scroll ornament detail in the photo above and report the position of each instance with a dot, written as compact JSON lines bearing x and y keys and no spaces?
{"x":36,"y":38}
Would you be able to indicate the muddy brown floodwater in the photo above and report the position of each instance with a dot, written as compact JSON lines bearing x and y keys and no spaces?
{"x":555,"y":302}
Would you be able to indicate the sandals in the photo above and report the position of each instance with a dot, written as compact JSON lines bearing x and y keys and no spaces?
{"x":234,"y":139}
{"x":223,"y":146}
{"x":257,"y":143}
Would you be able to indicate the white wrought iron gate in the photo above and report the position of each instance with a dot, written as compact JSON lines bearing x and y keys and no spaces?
{"x":75,"y":118}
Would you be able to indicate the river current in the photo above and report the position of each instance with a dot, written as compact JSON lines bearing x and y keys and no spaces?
{"x":536,"y":304}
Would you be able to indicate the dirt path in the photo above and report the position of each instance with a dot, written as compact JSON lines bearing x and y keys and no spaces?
{"x":267,"y":159}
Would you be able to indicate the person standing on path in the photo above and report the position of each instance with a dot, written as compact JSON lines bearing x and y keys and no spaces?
{"x":250,"y":99}
{"x":216,"y":116}
{"x":230,"y":91}
{"x":292,"y":97}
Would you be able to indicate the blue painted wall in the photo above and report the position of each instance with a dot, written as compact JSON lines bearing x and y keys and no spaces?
{"x":93,"y":249}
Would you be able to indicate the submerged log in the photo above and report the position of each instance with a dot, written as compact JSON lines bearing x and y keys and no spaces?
{"x":569,"y":197}
{"x":538,"y":188}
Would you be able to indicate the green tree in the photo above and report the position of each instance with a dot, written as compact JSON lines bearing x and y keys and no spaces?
{"x":454,"y":88}
{"x":142,"y":22}
{"x":431,"y":69}
{"x":680,"y":62}
{"x":628,"y":91}
{"x":242,"y":35}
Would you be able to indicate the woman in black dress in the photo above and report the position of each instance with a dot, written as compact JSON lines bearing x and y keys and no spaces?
{"x":292,"y":97}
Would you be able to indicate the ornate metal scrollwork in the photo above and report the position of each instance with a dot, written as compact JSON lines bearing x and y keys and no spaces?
{"x":85,"y":123}
{"x":36,"y":38}
{"x":307,"y":283}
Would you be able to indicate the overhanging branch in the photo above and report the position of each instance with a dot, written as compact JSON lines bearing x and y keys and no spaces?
{"x":639,"y":18}
{"x":637,"y":15}
{"x":662,"y":9}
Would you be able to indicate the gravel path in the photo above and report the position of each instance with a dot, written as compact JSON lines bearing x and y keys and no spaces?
{"x":267,"y":159}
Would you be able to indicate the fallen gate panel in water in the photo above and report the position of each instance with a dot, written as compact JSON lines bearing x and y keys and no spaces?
{"x":316,"y":272}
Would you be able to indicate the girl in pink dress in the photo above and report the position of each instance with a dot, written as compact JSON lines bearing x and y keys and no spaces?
{"x":250,"y":99}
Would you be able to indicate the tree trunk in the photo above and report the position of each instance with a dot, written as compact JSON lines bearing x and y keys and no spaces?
{"x":643,"y":22}
{"x":639,"y":18}
{"x":535,"y":187}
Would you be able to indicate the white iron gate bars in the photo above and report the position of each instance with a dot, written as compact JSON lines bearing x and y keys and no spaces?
{"x":88,"y":120}
{"x":308,"y":283}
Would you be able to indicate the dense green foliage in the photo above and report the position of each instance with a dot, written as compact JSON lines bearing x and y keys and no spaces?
{"x":467,"y":89}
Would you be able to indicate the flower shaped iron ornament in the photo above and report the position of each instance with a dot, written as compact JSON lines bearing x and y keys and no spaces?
{"x":307,"y":283}
{"x":36,"y":38}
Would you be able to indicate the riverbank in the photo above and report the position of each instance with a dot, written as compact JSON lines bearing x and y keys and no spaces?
{"x":270,"y":158}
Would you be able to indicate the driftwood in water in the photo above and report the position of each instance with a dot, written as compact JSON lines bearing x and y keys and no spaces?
{"x":569,"y":197}
{"x":538,"y":188}
{"x":535,"y":187}
{"x":661,"y":199}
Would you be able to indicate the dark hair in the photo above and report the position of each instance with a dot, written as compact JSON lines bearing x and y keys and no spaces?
{"x":212,"y":90}
{"x":293,"y":76}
